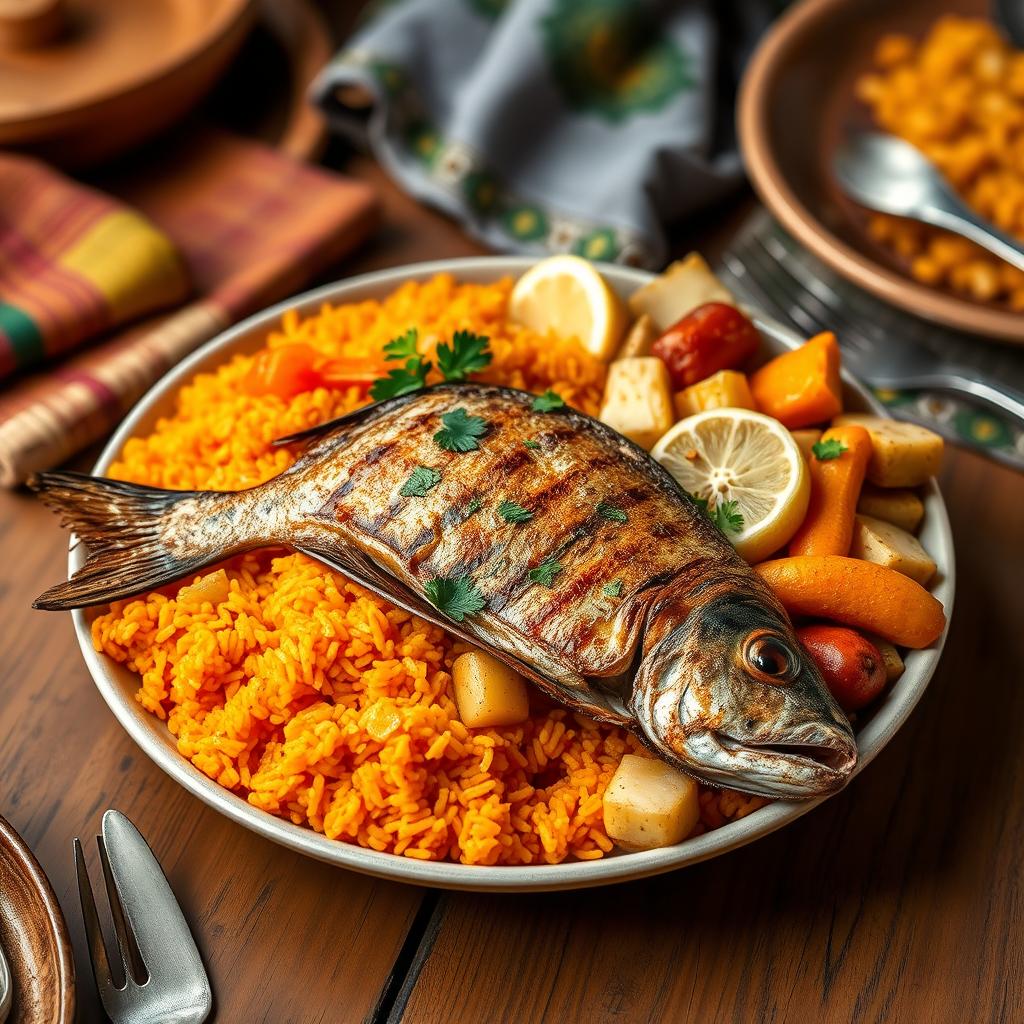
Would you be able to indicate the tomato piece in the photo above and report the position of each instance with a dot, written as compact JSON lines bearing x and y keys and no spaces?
{"x":710,"y":338}
{"x":851,"y":665}
{"x":347,"y":372}
{"x":285,"y":371}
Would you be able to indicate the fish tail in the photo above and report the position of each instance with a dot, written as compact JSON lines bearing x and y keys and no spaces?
{"x":138,"y":538}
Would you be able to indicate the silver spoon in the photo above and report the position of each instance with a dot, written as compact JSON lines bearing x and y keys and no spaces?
{"x":885,"y":173}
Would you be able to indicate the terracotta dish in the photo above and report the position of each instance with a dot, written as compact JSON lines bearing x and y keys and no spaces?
{"x":796,"y":103}
{"x":33,"y":937}
{"x":82,"y":80}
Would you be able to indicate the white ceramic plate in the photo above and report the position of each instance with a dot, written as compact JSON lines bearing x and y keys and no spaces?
{"x":118,"y":685}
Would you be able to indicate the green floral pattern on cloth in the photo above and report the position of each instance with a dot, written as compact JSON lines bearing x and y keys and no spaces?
{"x":609,"y":58}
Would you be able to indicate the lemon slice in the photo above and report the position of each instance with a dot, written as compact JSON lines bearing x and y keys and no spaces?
{"x":747,"y":457}
{"x":567,"y":295}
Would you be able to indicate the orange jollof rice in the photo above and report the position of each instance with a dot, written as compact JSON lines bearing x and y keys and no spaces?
{"x":318,"y":701}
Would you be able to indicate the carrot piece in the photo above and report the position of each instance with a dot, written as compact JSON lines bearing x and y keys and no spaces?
{"x":801,"y":387}
{"x":857,"y":593}
{"x":827,"y":528}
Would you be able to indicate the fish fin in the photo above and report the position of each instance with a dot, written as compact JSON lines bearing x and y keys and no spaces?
{"x":363,"y":570}
{"x":122,"y":525}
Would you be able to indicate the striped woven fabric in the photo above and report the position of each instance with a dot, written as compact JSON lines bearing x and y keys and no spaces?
{"x":250,"y":225}
{"x":73,"y":264}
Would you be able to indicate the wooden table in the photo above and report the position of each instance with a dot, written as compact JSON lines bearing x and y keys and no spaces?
{"x":899,"y":900}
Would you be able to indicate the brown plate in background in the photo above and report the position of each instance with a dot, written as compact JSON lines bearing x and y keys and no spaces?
{"x":796,"y":102}
{"x":34,"y":937}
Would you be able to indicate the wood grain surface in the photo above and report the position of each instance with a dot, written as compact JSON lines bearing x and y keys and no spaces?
{"x":899,"y":900}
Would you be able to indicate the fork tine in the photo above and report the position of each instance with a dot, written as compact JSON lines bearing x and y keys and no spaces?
{"x":131,"y":959}
{"x":152,"y":913}
{"x":94,"y":934}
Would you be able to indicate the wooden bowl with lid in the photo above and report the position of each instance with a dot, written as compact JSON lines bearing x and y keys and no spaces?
{"x":83,"y":80}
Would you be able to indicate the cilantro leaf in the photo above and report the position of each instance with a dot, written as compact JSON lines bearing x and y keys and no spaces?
{"x":614,"y":514}
{"x":824,"y":451}
{"x":512,"y":512}
{"x":411,"y":377}
{"x":467,"y":353}
{"x":404,"y":346}
{"x":421,"y":480}
{"x":727,"y":517}
{"x":546,"y":572}
{"x":474,"y":505}
{"x":549,"y":401}
{"x":612,"y":589}
{"x":459,"y":431}
{"x":532,"y":445}
{"x":456,"y":597}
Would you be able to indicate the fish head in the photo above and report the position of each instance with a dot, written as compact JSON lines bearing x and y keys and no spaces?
{"x":730,"y":695}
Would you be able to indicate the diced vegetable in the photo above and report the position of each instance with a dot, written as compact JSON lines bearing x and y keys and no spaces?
{"x":898,"y":506}
{"x":638,"y":400}
{"x":802,"y":387}
{"x":851,"y":665}
{"x":649,"y":804}
{"x":806,"y":439}
{"x":827,"y":528}
{"x":685,"y":285}
{"x":214,"y":587}
{"x":639,"y":339}
{"x":885,"y":543}
{"x":487,"y":692}
{"x":858,"y":593}
{"x":709,"y":338}
{"x":903,"y":454}
{"x":722,"y":390}
{"x":890,"y":656}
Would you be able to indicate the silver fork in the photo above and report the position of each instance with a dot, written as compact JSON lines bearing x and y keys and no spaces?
{"x":765,"y":270}
{"x":158,"y":975}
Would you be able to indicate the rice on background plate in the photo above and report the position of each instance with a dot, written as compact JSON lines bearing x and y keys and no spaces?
{"x":322,"y":703}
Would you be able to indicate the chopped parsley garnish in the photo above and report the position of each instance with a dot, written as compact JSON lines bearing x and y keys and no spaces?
{"x":410,"y":377}
{"x":467,"y":353}
{"x":614,"y":514}
{"x":459,"y":431}
{"x":421,"y":480}
{"x":727,"y":517}
{"x":612,"y":589}
{"x":825,"y":451}
{"x":474,"y":505}
{"x":456,"y":597}
{"x":532,"y":445}
{"x":512,"y":512}
{"x":546,"y":572}
{"x":548,"y":402}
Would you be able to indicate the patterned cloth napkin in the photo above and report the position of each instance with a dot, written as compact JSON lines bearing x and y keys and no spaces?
{"x":551,"y":125}
{"x":248,"y":225}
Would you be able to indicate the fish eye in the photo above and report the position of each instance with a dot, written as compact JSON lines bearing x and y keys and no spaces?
{"x":770,"y":657}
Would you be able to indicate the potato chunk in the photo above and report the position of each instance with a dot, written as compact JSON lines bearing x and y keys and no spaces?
{"x":638,"y":400}
{"x":890,"y":658}
{"x":639,"y":339}
{"x":649,"y":804}
{"x":685,"y":285}
{"x":903,"y":454}
{"x":488,"y":692}
{"x":806,"y":439}
{"x":898,"y":506}
{"x":875,"y":540}
{"x":727,"y":389}
{"x":213,"y":587}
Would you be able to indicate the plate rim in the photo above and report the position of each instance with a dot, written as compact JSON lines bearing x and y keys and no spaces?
{"x":143,"y":727}
{"x":931,"y":304}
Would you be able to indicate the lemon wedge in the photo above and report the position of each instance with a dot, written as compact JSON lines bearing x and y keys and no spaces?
{"x":743,"y":456}
{"x":567,"y":295}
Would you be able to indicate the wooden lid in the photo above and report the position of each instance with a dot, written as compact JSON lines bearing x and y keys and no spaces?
{"x":58,"y":57}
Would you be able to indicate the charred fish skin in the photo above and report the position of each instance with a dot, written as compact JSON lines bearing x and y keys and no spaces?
{"x":607,"y":571}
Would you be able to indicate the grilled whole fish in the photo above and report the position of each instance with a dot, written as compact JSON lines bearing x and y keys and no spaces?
{"x":613,"y":592}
